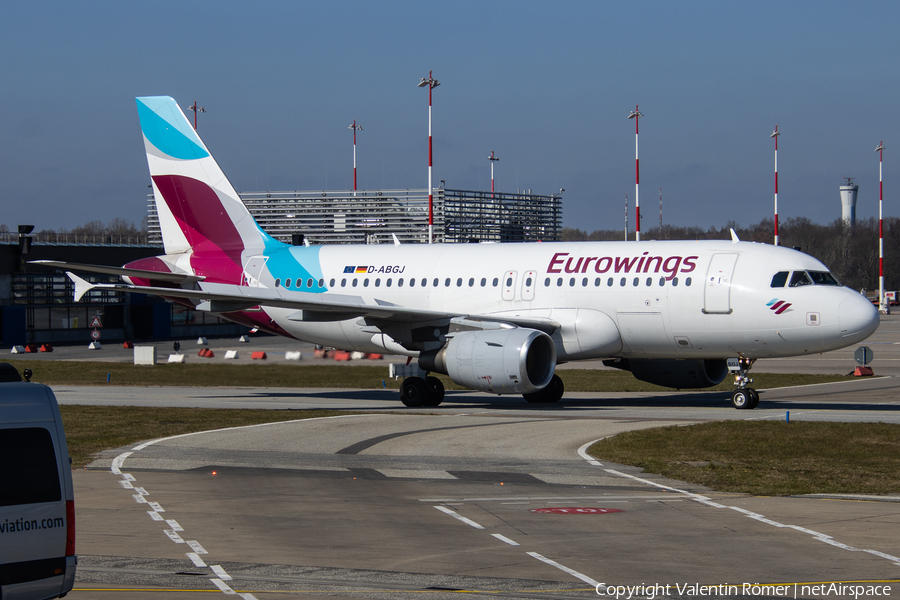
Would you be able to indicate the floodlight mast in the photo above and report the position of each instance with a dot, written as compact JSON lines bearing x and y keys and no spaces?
{"x":432,"y":83}
{"x":636,"y":115}
{"x":882,"y":302}
{"x":355,"y":128}
{"x":196,"y":109}
{"x":775,"y":135}
{"x":493,"y":159}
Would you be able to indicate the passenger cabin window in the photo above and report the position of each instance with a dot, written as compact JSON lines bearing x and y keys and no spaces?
{"x":287,"y":282}
{"x":800,"y":278}
{"x":779,"y":279}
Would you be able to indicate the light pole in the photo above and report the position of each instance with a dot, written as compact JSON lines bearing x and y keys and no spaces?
{"x":636,"y":115}
{"x":775,"y":135}
{"x":882,"y":303}
{"x":196,"y":109}
{"x":354,"y":127}
{"x":432,"y":83}
{"x":493,"y":159}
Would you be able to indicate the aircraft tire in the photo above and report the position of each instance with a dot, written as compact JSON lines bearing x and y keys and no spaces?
{"x":437,"y":392}
{"x":742,"y":399}
{"x":754,"y":397}
{"x":414,"y":391}
{"x":550,"y":394}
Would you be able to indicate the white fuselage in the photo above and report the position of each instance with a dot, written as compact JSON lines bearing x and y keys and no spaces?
{"x":704,"y":299}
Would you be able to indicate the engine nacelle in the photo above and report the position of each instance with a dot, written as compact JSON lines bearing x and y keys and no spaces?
{"x":500,"y":361}
{"x":674,"y":373}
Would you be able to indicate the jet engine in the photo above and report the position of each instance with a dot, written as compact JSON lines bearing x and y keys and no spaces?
{"x":674,"y":373}
{"x":500,"y":361}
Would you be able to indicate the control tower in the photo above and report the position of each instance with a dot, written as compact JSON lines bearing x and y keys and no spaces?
{"x":849,"y":193}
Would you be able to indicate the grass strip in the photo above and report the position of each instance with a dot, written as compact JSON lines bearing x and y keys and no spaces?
{"x":337,"y":376}
{"x":92,"y":429}
{"x":767,"y":458}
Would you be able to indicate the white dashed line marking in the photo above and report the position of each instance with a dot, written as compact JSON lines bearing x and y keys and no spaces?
{"x":174,"y":525}
{"x":218,"y":570}
{"x":565,"y":569}
{"x":505,"y":539}
{"x":196,"y":547}
{"x":750,"y":514}
{"x":195,"y":558}
{"x":173,"y":536}
{"x":456,"y":515}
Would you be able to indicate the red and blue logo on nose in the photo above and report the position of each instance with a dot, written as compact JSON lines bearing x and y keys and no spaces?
{"x":779,"y":306}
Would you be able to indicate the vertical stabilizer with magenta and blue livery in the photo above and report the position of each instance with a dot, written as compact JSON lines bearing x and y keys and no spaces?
{"x":199,"y":210}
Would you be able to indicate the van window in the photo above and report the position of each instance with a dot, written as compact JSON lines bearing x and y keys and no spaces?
{"x":28,"y":469}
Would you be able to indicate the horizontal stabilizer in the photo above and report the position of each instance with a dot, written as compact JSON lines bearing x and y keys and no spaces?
{"x":121,"y":271}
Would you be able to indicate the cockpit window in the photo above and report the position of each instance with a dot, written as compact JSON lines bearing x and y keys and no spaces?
{"x":823,"y":278}
{"x":800,"y":278}
{"x":779,"y":279}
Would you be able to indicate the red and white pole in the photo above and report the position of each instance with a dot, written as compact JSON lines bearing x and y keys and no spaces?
{"x":354,"y":127}
{"x":493,"y":159}
{"x":196,"y":109}
{"x":882,"y":303}
{"x":432,"y":83}
{"x":636,"y":115}
{"x":775,"y":135}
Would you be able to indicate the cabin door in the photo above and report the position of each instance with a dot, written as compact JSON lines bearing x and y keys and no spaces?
{"x":717,"y":292}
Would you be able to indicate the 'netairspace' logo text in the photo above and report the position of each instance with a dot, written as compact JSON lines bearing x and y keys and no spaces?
{"x":793,"y":590}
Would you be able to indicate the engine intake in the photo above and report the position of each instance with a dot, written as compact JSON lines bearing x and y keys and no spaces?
{"x":500,"y":361}
{"x":674,"y":373}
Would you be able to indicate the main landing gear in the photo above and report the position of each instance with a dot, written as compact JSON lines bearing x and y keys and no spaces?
{"x":416,"y":391}
{"x":743,"y":397}
{"x":552,"y":393}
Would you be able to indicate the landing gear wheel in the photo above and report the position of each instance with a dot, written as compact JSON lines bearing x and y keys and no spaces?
{"x":436,"y":387}
{"x":552,"y":393}
{"x":741,"y":399}
{"x":754,"y":397}
{"x":414,"y":391}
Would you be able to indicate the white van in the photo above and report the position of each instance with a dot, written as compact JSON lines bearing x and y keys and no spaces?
{"x":37,"y":508}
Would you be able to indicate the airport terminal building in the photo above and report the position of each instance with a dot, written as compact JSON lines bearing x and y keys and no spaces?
{"x":37,"y":302}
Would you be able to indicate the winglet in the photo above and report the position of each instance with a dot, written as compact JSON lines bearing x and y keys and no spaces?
{"x":396,"y":241}
{"x":734,"y":237}
{"x":81,"y":286}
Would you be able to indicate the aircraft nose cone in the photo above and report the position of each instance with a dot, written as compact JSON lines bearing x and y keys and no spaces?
{"x":858,"y":318}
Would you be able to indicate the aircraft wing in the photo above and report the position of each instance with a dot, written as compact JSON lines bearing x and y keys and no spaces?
{"x":121,"y":271}
{"x":219,"y":297}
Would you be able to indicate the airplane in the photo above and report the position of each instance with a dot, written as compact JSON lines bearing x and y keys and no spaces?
{"x":496,"y":318}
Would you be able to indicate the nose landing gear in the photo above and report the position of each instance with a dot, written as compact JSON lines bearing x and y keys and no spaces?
{"x":744,"y":397}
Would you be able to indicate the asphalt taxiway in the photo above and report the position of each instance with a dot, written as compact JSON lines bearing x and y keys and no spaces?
{"x":484,"y":495}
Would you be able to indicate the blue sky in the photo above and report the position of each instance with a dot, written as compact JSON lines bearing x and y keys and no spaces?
{"x":547,"y":86}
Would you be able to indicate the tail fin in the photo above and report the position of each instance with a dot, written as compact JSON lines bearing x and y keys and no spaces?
{"x":198,"y":208}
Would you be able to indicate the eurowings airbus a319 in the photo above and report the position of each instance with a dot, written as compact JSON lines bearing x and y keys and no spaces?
{"x":497,"y":318}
